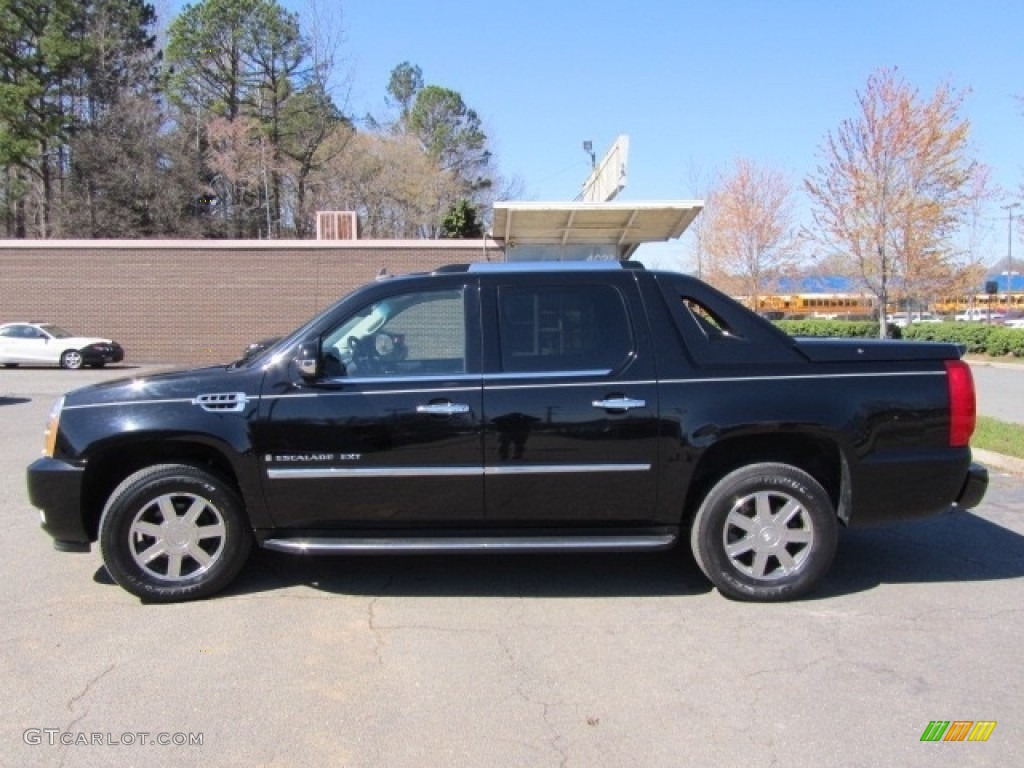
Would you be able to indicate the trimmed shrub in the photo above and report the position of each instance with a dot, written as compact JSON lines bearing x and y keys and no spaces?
{"x":978,"y":338}
{"x":837,"y":329}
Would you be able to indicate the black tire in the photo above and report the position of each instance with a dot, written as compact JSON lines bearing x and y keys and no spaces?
{"x":71,"y":359}
{"x":765,"y":533}
{"x":164,"y":560}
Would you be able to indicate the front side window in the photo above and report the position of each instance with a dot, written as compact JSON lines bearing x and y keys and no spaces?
{"x":546,"y":329}
{"x":416,"y":334}
{"x":27,"y":332}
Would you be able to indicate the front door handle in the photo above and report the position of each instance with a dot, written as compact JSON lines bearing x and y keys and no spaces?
{"x":619,"y":403}
{"x":442,"y":409}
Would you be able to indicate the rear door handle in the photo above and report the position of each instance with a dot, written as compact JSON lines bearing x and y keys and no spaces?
{"x":442,"y":409}
{"x":619,"y":403}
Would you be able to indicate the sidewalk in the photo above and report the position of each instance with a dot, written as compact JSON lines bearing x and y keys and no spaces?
{"x":1000,"y":400}
{"x":994,"y":460}
{"x":989,"y":362}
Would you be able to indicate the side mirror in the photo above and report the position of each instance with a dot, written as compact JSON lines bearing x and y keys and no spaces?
{"x":307,"y":359}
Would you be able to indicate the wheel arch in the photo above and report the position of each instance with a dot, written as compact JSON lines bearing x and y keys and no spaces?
{"x":116,"y":463}
{"x":818,"y":455}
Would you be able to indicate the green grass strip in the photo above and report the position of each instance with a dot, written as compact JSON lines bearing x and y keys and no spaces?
{"x":999,"y":436}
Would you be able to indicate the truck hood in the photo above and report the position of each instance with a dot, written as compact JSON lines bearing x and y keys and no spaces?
{"x":173,"y":385}
{"x":77,"y":342}
{"x":820,"y":350}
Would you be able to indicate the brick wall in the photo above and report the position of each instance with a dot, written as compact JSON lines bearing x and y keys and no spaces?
{"x":192,"y":302}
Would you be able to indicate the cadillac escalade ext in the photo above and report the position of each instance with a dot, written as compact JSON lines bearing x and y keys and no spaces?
{"x":507,"y":408}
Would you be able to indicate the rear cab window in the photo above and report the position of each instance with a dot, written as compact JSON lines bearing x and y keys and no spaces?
{"x":562,"y":328}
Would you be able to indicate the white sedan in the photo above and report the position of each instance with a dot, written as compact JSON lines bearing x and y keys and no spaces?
{"x":979,"y":315}
{"x":903,"y":319}
{"x":47,"y":344}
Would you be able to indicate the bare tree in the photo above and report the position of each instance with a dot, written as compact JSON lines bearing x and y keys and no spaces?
{"x":237,"y":159}
{"x":894,"y":184}
{"x":700,"y":183}
{"x":748,"y":232}
{"x":315,"y":113}
{"x":130,"y":176}
{"x":395,"y":187}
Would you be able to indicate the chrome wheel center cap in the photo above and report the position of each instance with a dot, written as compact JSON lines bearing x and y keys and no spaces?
{"x":178,"y":535}
{"x":770,"y":536}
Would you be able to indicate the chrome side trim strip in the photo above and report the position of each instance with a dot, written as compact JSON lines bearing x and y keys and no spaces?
{"x":500,"y":376}
{"x":547,"y":374}
{"x":432,"y":378}
{"x":557,"y":469}
{"x":327,"y":473}
{"x":460,"y":377}
{"x":796,"y":377}
{"x":365,"y":393}
{"x":122,"y":403}
{"x":606,"y":384}
{"x":591,"y":543}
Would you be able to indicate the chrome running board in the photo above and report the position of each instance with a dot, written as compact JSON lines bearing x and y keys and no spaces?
{"x":469,"y":544}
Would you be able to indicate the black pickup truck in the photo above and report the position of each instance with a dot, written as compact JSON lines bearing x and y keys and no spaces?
{"x":507,"y":408}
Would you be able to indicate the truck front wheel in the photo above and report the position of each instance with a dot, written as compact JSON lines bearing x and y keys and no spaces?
{"x":174,"y":532}
{"x":765,"y":532}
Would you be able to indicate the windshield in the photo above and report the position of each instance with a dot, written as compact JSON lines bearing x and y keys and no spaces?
{"x":363,"y":323}
{"x":264,"y":355}
{"x":56,"y":331}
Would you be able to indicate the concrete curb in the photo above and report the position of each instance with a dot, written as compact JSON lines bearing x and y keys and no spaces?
{"x":992,"y":459}
{"x":988,"y":363}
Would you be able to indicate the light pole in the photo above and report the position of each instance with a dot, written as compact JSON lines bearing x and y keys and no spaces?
{"x":1009,"y":241}
{"x":588,"y":147}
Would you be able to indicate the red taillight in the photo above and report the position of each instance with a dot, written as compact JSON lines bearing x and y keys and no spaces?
{"x":962,"y":403}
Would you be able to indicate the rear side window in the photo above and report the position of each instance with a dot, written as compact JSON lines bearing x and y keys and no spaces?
{"x":546,"y":329}
{"x":717,"y":330}
{"x":711,"y":324}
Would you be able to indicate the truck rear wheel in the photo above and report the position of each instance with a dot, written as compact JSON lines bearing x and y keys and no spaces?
{"x":174,"y":532}
{"x":765,"y":532}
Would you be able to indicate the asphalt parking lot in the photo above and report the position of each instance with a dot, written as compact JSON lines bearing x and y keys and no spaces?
{"x":584,"y":660}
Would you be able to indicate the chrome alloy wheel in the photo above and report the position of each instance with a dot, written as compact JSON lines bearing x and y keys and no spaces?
{"x":768,"y":535}
{"x":72,"y":360}
{"x":177,"y":536}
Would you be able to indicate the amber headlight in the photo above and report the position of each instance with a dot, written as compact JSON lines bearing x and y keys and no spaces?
{"x":50,"y":435}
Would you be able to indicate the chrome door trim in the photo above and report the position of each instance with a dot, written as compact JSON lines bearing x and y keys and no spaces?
{"x":556,"y":469}
{"x":324,"y":473}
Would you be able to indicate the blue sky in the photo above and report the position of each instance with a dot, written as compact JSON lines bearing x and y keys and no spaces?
{"x":694,"y":84}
